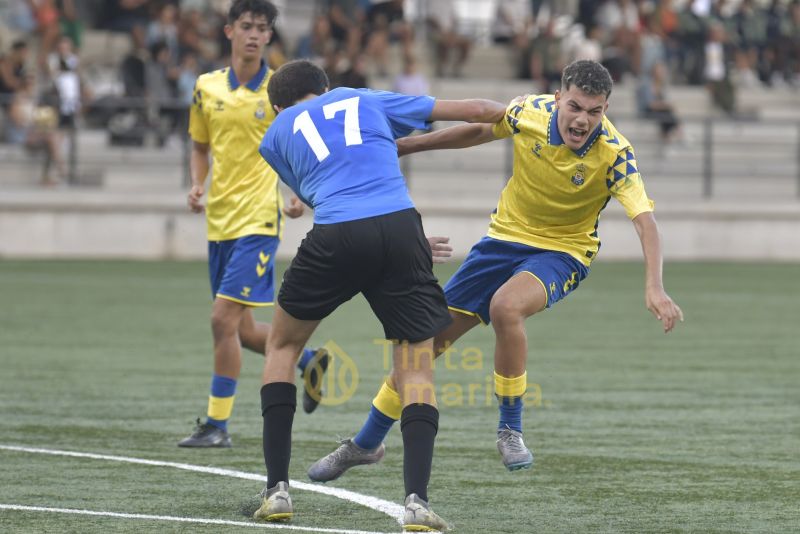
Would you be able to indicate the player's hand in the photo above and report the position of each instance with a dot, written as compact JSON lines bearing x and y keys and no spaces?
{"x":294,"y":208}
{"x":440,"y":249}
{"x":195,"y":199}
{"x":663,"y":307}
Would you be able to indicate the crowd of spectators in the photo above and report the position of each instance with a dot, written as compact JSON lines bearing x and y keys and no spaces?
{"x":721,"y":44}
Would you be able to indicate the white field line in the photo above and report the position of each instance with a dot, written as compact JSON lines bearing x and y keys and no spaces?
{"x":395,"y":511}
{"x":20,"y":508}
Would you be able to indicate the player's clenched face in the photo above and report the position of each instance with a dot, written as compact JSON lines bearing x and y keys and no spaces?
{"x":578,"y":115}
{"x":248,"y":35}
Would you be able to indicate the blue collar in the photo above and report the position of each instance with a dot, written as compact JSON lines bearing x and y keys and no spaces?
{"x":554,"y":136}
{"x":255,"y":82}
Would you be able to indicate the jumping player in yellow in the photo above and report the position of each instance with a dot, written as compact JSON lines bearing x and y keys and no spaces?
{"x":229,"y":115}
{"x":569,"y":161}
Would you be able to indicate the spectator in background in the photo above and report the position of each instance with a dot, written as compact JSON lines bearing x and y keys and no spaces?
{"x":195,"y":32}
{"x":315,"y":45}
{"x":751,"y":27}
{"x":620,"y":22}
{"x":653,"y":104}
{"x":717,"y":72}
{"x":128,"y":16}
{"x":164,"y":29}
{"x":70,"y":22}
{"x":352,"y":73}
{"x":132,"y":70}
{"x":47,"y":28}
{"x":64,"y":69}
{"x":187,"y":77}
{"x":12,"y":71}
{"x":161,"y":78}
{"x":514,"y":26}
{"x":411,"y":81}
{"x":35,"y":127}
{"x":443,"y":24}
{"x":547,"y":58}
{"x":386,"y":23}
{"x":346,"y":18}
{"x":793,"y":57}
{"x":590,"y":47}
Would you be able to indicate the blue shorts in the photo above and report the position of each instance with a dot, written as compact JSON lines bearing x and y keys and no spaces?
{"x":492,"y":262}
{"x":243,"y":269}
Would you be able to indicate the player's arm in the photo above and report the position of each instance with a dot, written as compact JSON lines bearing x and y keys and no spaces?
{"x":198,"y":169}
{"x":658,"y":302}
{"x":470,"y":110}
{"x":461,"y":136}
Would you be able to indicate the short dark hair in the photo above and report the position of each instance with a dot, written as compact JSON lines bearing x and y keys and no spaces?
{"x":258,"y":8}
{"x":589,"y":76}
{"x":19,"y":44}
{"x":294,"y":80}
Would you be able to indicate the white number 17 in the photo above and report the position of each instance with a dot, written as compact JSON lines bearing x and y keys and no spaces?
{"x":352,"y":131}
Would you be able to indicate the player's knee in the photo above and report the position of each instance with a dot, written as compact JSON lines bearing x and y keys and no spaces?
{"x":505,"y":312}
{"x":222,"y":323}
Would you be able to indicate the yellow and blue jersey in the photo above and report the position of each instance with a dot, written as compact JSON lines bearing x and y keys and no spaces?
{"x":232,"y":118}
{"x":554,"y":198}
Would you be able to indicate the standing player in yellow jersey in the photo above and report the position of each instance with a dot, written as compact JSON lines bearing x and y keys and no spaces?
{"x":229,"y":115}
{"x":569,"y":161}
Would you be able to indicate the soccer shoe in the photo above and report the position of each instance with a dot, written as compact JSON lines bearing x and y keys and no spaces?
{"x":276,"y":505}
{"x":205,"y":436}
{"x":419,"y":517}
{"x":513,"y":450}
{"x":346,"y":455}
{"x":312,"y":380}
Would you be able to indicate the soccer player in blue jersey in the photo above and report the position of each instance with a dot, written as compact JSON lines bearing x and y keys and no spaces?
{"x":569,"y":161}
{"x":228,"y":118}
{"x":336,"y":150}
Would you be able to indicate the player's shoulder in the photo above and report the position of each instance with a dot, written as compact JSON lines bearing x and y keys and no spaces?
{"x":610,"y":139}
{"x":539,"y":104}
{"x":213,"y":78}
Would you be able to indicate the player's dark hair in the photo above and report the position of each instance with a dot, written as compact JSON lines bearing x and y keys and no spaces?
{"x":295,"y":80}
{"x":19,"y":44}
{"x":258,"y":8}
{"x":589,"y":76}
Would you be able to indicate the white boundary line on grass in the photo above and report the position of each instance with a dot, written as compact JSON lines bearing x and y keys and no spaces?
{"x":395,"y":511}
{"x":20,"y":508}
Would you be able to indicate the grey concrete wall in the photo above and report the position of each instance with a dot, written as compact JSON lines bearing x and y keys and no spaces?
{"x":96,"y":224}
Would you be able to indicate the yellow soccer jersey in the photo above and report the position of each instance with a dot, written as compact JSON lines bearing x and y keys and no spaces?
{"x":232,"y":118}
{"x":555,"y":196}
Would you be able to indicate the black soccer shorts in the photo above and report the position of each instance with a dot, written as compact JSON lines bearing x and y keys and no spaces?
{"x":387,"y":258}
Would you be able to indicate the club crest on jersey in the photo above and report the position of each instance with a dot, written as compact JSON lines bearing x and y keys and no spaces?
{"x":578,"y":178}
{"x":219,"y":105}
{"x":260,"y":111}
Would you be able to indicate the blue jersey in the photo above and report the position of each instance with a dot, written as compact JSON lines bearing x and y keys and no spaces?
{"x":337,"y":151}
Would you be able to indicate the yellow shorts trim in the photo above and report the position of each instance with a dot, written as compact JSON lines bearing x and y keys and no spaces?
{"x":388,"y":401}
{"x":220,"y":408}
{"x":466,"y":312}
{"x":244,"y":302}
{"x":510,"y":387}
{"x":546,"y":294}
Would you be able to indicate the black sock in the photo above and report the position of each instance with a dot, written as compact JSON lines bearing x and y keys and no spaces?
{"x":419,"y":424}
{"x":278,"y":402}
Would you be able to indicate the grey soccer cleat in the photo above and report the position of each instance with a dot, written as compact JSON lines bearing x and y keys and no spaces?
{"x":312,"y":379}
{"x":276,"y":505}
{"x":419,"y":517}
{"x":347,"y":455}
{"x":513,"y":450}
{"x":206,"y":436}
